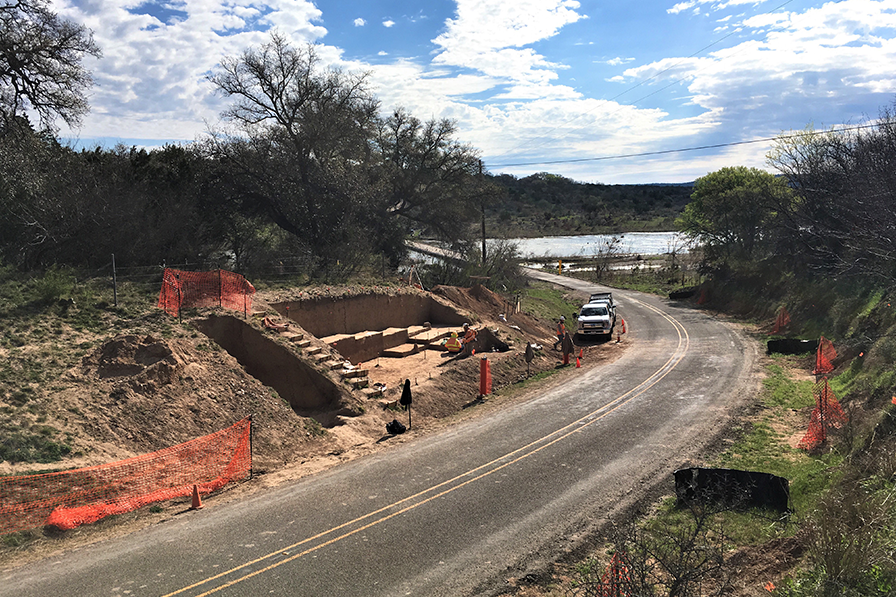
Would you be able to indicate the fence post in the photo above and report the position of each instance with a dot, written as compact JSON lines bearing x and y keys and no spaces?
{"x":180,"y":299}
{"x":251,"y":437}
{"x":114,"y":282}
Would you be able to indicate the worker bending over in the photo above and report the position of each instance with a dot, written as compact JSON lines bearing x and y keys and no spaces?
{"x":469,"y":338}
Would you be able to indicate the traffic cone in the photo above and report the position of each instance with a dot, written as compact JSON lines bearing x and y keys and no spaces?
{"x":578,"y":363}
{"x":197,"y":501}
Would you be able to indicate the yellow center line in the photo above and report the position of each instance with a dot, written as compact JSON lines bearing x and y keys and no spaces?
{"x":516,"y":456}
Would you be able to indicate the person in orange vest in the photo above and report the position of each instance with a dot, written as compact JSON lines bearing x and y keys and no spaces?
{"x":469,"y":338}
{"x":453,"y":344}
{"x":561,"y":331}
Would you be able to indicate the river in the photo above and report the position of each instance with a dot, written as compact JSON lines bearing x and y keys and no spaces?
{"x":639,"y":243}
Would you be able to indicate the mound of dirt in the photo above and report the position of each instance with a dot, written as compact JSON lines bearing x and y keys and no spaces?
{"x":147,"y":393}
{"x":490,"y":306}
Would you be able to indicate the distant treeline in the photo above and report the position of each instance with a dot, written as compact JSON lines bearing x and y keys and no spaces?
{"x":546,"y":204}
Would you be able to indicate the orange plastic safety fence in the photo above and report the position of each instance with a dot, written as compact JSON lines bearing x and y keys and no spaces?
{"x":219,"y":288}
{"x":827,"y":415}
{"x":68,"y":499}
{"x":824,"y":357}
{"x":616,"y":581}
{"x":781,"y":321}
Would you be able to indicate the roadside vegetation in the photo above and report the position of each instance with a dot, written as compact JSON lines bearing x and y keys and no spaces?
{"x":312,"y":190}
{"x":816,"y":243}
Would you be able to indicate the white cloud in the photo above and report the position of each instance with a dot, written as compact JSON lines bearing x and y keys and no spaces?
{"x":681,"y":7}
{"x":714,"y":5}
{"x":618,"y":60}
{"x":150,"y":81}
{"x":359,"y":22}
{"x":822,"y":65}
{"x":388,"y":23}
{"x":490,"y":35}
{"x":814,"y":64}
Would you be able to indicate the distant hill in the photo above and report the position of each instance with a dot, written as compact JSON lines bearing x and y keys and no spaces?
{"x":546,"y":204}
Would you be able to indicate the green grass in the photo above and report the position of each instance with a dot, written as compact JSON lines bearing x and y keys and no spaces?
{"x":546,"y":302}
{"x":42,"y":316}
{"x":763,"y":449}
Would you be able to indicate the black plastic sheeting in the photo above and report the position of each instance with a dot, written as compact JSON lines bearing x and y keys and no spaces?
{"x":732,"y":488}
{"x":791,"y":346}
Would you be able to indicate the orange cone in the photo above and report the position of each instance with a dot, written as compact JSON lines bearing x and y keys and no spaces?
{"x":578,"y":363}
{"x":197,"y":501}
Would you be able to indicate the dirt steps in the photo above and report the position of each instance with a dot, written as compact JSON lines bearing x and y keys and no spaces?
{"x":401,"y":350}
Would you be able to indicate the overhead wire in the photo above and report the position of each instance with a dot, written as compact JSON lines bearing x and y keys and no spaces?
{"x":681,"y":149}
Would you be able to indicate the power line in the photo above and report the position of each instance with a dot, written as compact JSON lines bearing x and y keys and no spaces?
{"x":681,"y":149}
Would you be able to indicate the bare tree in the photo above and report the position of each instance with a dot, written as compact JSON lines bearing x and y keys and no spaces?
{"x":604,"y":253}
{"x":300,"y":151}
{"x":311,"y":152}
{"x":40,"y":64}
{"x":676,"y":556}
{"x":846,"y":184}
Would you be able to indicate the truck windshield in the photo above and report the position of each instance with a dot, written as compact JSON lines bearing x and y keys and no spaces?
{"x":594,"y":311}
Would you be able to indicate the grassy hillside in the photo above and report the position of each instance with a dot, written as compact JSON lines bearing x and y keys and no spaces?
{"x":547,"y":204}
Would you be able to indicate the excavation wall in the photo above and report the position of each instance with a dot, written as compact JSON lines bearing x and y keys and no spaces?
{"x":327,"y":316}
{"x":308,"y":391}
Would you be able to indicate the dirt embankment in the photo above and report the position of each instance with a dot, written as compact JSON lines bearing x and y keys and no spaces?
{"x":137,"y":393}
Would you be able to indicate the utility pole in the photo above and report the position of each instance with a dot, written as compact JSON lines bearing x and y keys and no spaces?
{"x":482,"y":204}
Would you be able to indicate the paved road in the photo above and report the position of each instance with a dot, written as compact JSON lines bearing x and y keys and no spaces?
{"x":454,"y":513}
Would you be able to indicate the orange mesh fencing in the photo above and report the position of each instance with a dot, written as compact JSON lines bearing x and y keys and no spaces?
{"x":826,"y":415}
{"x":68,"y":499}
{"x":781,"y":321}
{"x":616,"y":581}
{"x":825,"y":356}
{"x":218,"y":288}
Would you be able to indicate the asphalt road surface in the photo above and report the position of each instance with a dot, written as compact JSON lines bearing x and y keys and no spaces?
{"x":454,"y":513}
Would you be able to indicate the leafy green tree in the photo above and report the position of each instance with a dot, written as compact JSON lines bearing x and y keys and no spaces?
{"x":731,"y":212}
{"x":429,"y":179}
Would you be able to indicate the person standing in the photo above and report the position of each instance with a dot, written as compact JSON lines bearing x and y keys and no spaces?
{"x":561,"y":331}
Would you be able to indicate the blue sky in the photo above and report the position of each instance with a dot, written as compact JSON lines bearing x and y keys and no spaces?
{"x":562,"y":86}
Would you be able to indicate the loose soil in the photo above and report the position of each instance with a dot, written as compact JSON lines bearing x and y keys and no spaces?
{"x":138,"y":393}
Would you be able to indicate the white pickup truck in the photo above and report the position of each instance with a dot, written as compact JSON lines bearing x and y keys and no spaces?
{"x":598,"y":316}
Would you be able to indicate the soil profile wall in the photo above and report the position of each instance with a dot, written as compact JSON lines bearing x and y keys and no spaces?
{"x":327,"y":316}
{"x":306,"y":390}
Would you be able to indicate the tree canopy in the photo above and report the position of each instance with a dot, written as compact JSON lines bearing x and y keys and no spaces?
{"x":309,"y":150}
{"x":844,"y":218}
{"x":731,"y":211}
{"x":40,"y":64}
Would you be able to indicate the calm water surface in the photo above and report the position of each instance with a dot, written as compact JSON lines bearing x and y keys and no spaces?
{"x":643,"y":243}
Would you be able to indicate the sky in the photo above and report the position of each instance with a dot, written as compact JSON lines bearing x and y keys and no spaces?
{"x":580,"y":88}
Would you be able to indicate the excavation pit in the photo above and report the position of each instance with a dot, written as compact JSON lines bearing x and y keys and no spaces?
{"x":308,"y":392}
{"x":367,"y":326}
